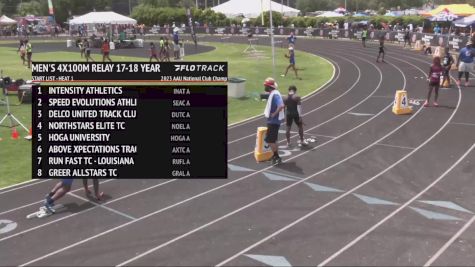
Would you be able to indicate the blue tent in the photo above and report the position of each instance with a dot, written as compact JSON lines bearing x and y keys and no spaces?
{"x":361,"y":14}
{"x":465,"y":22}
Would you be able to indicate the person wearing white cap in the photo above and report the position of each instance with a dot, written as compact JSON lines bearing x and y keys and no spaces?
{"x":291,"y":57}
{"x":465,"y":62}
{"x":274,"y":113}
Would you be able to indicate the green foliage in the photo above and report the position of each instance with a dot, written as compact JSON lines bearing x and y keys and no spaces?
{"x":276,"y":19}
{"x":151,"y":15}
{"x":315,"y":22}
{"x":33,"y":7}
{"x":312,"y":5}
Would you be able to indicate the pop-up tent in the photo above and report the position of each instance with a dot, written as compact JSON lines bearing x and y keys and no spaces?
{"x":330,"y":14}
{"x":102,"y":18}
{"x":460,"y":10}
{"x":253,"y":8}
{"x":465,"y":22}
{"x":341,"y":10}
{"x":4,"y":20}
{"x":444,"y":15}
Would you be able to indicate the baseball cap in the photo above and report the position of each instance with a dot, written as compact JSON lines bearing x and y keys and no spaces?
{"x":270,"y":82}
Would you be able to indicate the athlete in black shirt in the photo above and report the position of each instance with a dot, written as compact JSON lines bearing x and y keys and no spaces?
{"x":293,"y":112}
{"x":447,"y":62}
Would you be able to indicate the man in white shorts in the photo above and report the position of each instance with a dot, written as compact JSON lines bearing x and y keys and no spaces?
{"x":465,"y":62}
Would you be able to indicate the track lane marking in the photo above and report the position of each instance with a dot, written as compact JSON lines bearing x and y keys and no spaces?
{"x":317,"y":108}
{"x":449,"y":242}
{"x":213,"y":189}
{"x":81,"y":212}
{"x":104,"y":207}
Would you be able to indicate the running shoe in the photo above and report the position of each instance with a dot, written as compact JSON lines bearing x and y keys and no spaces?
{"x":49,"y":207}
{"x":276,"y":161}
{"x":457,"y":82}
{"x":282,"y":75}
{"x":436,"y":104}
{"x":466,"y":84}
{"x":426,"y":104}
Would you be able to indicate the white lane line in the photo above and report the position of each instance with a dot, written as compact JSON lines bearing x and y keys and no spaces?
{"x":392,"y":214}
{"x":360,"y":114}
{"x":319,"y":107}
{"x":104,"y":207}
{"x":213,"y":189}
{"x":285,"y":174}
{"x":41,"y":201}
{"x":356,"y":240}
{"x":402,"y":147}
{"x":81,"y":212}
{"x":333,"y":118}
{"x":449,"y":242}
{"x":321,"y":135}
{"x":243,"y":208}
{"x":274,"y":193}
{"x":464,"y":123}
{"x":348,"y":192}
{"x":27,"y":184}
{"x":309,"y":96}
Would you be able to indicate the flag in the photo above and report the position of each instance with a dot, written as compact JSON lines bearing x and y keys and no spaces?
{"x":50,"y":7}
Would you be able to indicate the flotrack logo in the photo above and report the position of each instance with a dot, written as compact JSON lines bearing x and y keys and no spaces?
{"x":200,"y":67}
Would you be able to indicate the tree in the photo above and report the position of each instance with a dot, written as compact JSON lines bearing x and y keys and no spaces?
{"x":186,"y":3}
{"x":276,"y":19}
{"x":30,"y":8}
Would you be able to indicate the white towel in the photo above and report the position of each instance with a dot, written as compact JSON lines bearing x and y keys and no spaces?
{"x":269,"y":104}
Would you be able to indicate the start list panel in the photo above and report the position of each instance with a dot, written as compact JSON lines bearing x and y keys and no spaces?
{"x":172,"y":130}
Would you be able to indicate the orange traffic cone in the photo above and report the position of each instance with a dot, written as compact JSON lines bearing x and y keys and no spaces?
{"x":15,"y":134}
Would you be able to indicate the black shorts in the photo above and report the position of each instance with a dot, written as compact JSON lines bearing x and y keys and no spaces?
{"x":381,"y":50}
{"x":291,"y":118}
{"x":447,"y":71}
{"x":272,"y":133}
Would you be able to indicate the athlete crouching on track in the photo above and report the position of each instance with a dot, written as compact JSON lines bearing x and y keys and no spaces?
{"x":435,"y":72}
{"x":293,"y":112}
{"x":58,"y":191}
{"x":274,"y":112}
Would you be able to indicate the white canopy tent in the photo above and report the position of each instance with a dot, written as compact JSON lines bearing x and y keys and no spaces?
{"x":102,"y":18}
{"x":330,"y":14}
{"x":253,"y":8}
{"x":4,"y":20}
